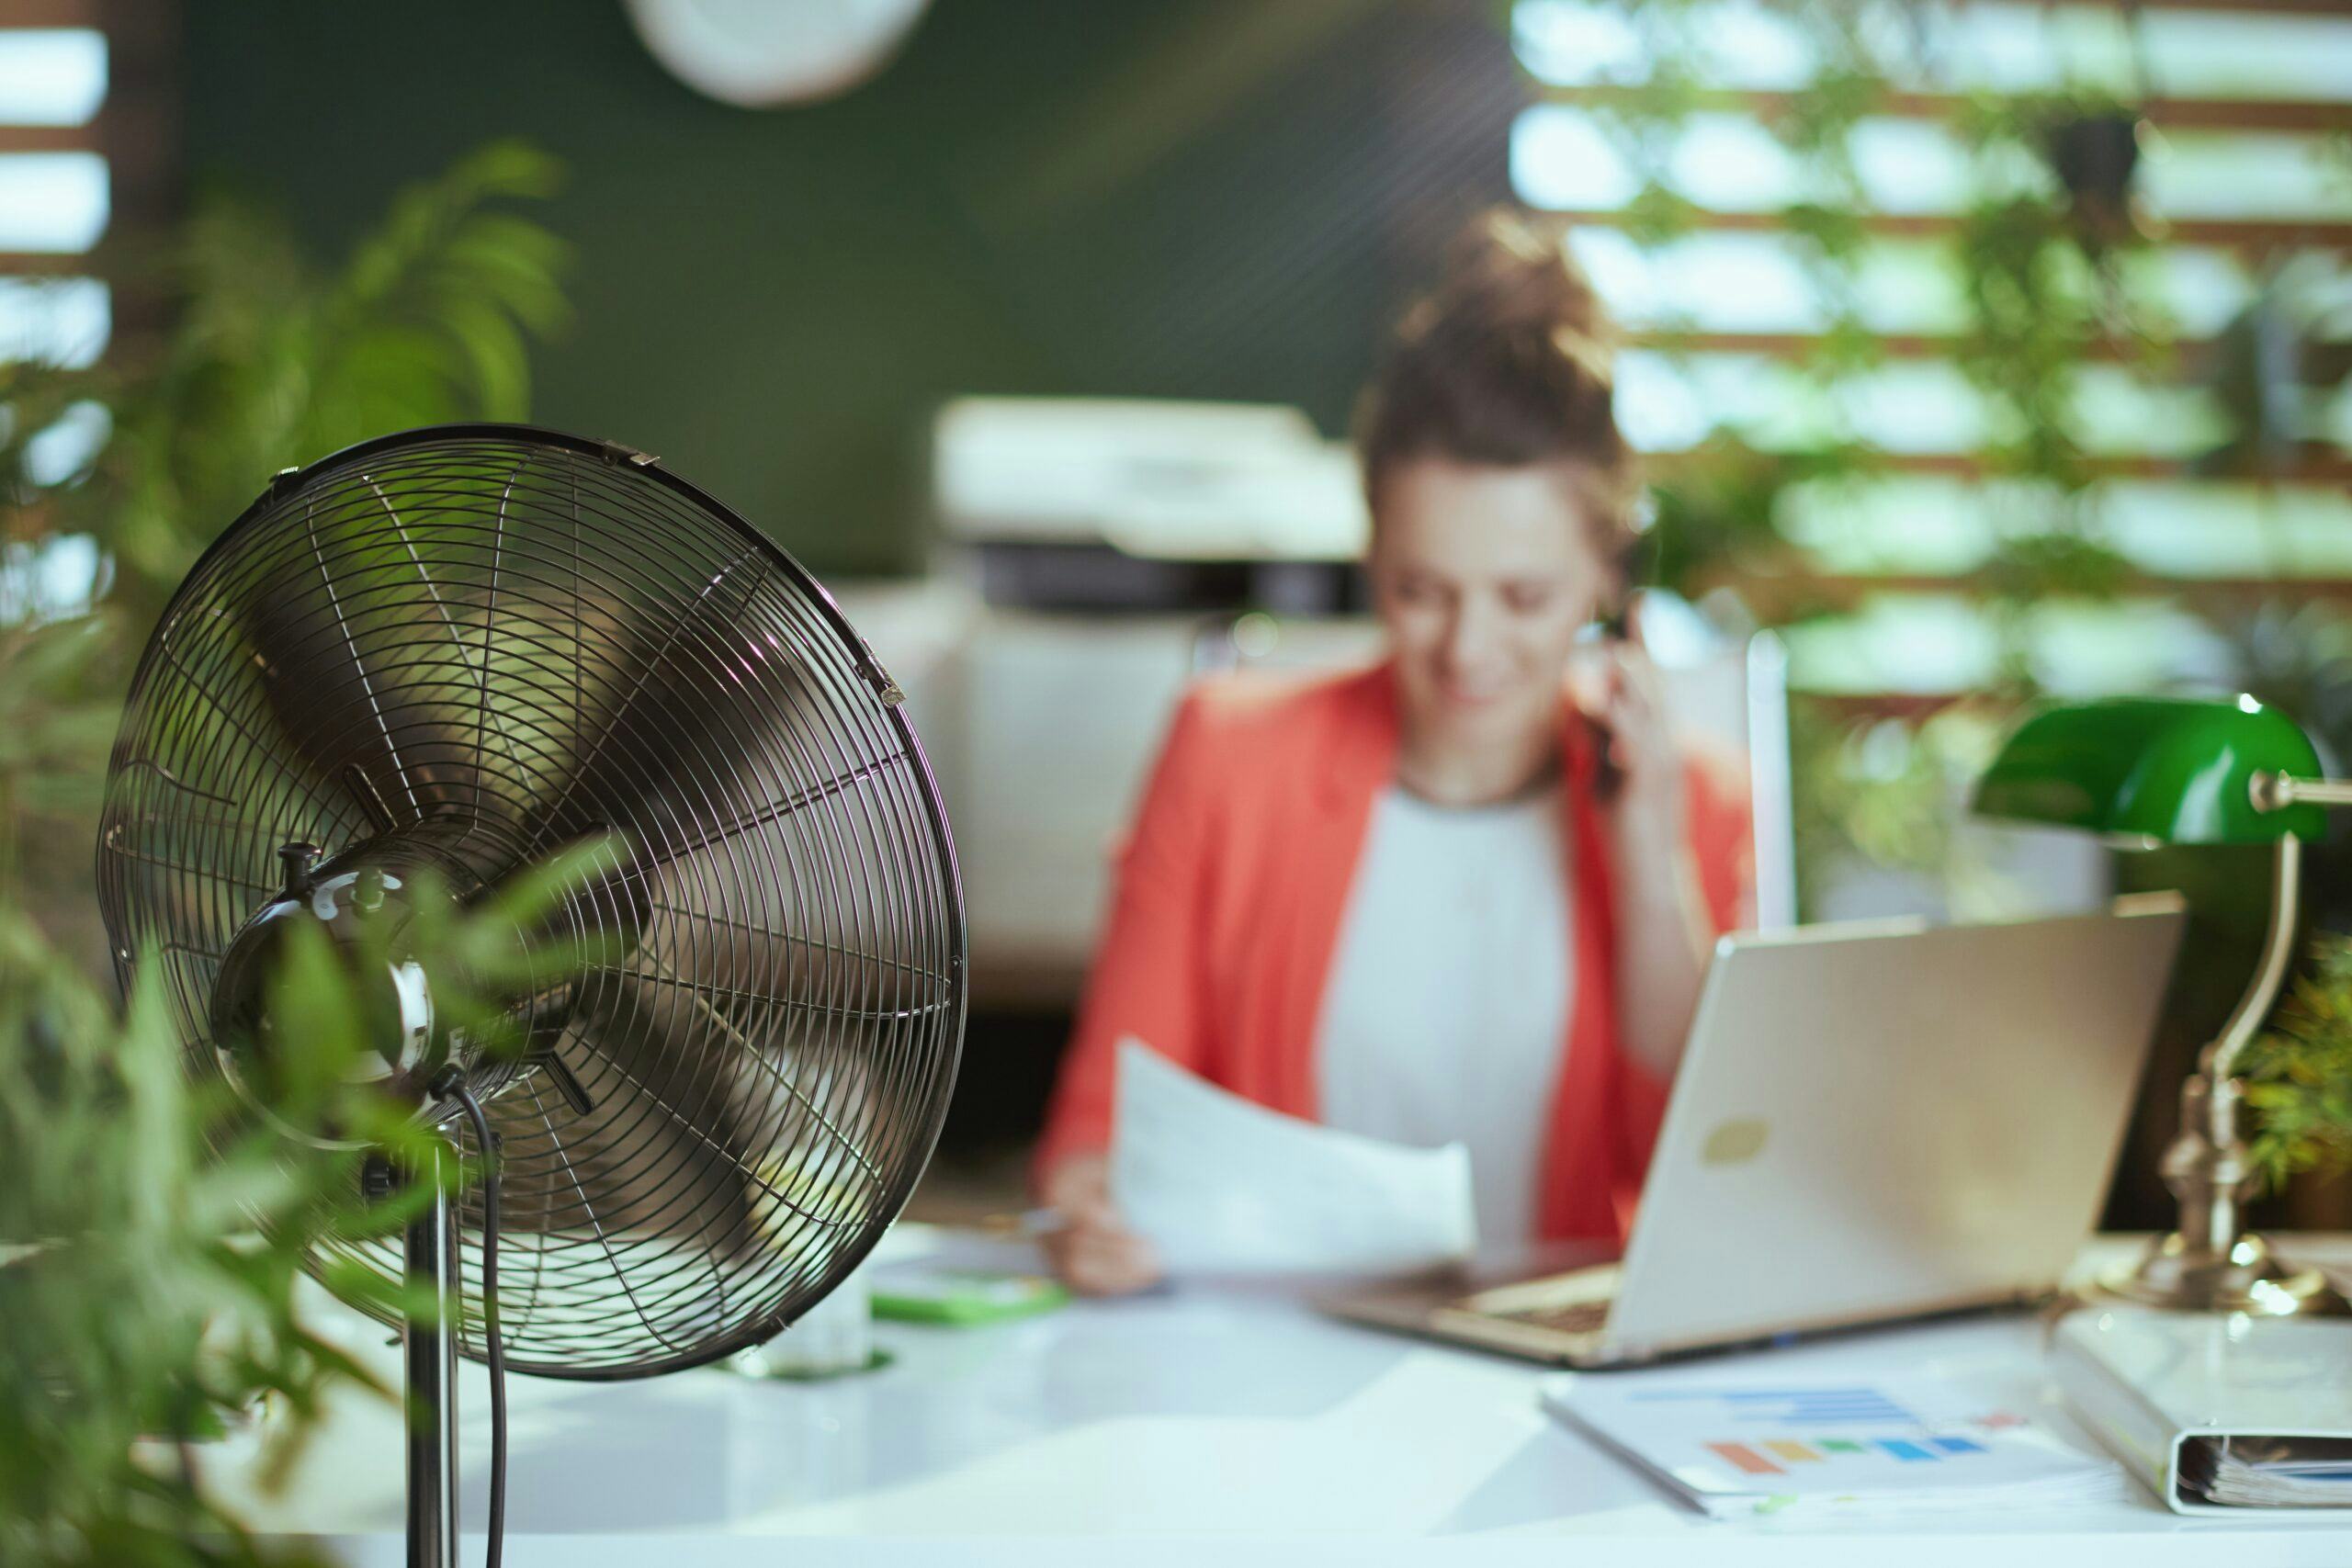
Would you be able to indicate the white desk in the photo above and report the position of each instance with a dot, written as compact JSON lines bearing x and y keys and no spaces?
{"x":1226,"y":1428}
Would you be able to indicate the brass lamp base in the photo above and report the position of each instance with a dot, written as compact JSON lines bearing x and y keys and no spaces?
{"x":2248,"y":1277}
{"x":2211,"y":1263}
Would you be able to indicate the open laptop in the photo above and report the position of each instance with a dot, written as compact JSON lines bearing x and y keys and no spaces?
{"x":1873,"y":1121}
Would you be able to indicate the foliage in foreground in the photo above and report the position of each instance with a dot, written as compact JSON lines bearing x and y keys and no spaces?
{"x":151,"y":1233}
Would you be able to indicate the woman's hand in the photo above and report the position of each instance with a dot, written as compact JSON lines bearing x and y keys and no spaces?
{"x":1091,"y":1249}
{"x":1648,"y":810}
{"x":1663,"y":931}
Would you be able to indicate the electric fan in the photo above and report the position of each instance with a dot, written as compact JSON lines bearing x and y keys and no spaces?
{"x":433,"y":661}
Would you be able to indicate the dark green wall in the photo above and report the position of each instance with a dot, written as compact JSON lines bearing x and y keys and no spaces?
{"x":1159,"y":197}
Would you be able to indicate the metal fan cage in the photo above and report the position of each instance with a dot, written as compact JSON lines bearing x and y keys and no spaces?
{"x":518,"y":638}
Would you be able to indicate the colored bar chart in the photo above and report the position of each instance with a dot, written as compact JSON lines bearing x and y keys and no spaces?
{"x":1809,"y":1410}
{"x":1791,"y":1406}
{"x":1903,"y":1444}
{"x":1778,"y":1455}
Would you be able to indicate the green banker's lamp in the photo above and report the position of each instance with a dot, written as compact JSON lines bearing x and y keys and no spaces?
{"x":2146,"y":771}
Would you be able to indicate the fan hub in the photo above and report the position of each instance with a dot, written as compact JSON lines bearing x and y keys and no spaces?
{"x":360,"y":912}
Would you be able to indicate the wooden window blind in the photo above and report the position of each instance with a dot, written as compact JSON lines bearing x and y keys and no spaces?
{"x":2244,"y":176}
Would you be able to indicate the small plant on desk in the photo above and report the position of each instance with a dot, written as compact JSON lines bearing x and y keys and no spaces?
{"x":2298,"y":1076}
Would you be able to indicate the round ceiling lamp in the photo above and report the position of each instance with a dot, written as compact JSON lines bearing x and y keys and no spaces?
{"x":760,"y":54}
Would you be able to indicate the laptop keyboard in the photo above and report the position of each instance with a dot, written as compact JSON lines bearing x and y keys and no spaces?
{"x":1532,"y":1299}
{"x":1579,"y":1317}
{"x":1576,"y":1303}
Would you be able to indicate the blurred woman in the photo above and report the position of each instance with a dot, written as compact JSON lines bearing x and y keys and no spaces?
{"x":1456,"y":895}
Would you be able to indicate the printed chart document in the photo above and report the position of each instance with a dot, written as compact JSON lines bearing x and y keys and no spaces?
{"x":1221,"y":1185}
{"x":1810,"y":1449}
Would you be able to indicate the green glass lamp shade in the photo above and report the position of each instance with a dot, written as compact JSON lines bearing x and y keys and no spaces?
{"x":2172,"y":771}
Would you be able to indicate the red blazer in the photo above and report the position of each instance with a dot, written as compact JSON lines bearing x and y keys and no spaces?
{"x":1225,"y":916}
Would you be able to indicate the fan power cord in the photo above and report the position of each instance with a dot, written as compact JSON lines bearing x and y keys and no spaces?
{"x":451,"y":1085}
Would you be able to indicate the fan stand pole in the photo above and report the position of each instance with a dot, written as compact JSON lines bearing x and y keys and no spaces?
{"x":431,"y":1351}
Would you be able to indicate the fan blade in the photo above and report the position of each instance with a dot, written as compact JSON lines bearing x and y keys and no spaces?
{"x":695,"y":1137}
{"x":371,"y":699}
{"x":762,"y":870}
{"x":676,"y":728}
{"x":660,"y":1140}
{"x":794,"y":925}
{"x":824,"y":988}
{"x":343,"y":720}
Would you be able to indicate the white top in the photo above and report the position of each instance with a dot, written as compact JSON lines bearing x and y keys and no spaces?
{"x":1449,"y":993}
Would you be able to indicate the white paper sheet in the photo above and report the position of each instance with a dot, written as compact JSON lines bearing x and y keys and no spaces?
{"x":1860,"y":1449}
{"x":1221,"y":1185}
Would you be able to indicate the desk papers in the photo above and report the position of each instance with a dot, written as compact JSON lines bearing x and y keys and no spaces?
{"x":2311,"y":1472}
{"x":1822,"y":1449}
{"x":1221,"y":1185}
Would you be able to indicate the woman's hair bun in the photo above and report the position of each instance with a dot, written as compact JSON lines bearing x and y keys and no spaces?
{"x":1505,"y":276}
{"x":1507,"y":361}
